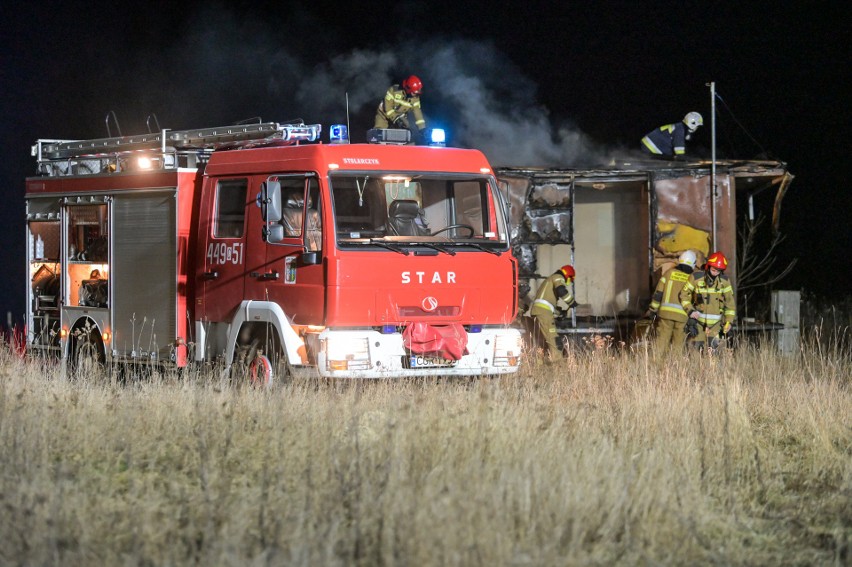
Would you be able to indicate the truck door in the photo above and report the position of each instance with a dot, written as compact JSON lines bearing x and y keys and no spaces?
{"x":223,"y":241}
{"x":293,"y":274}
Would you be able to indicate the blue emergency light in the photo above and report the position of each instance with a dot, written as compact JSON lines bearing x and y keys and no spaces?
{"x":437,"y":137}
{"x":338,"y":134}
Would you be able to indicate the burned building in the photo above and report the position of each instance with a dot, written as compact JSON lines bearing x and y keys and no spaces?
{"x":622,"y":226}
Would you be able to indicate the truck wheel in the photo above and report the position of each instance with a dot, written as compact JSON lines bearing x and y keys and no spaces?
{"x":259,"y":357}
{"x":86,"y":353}
{"x":260,"y":373}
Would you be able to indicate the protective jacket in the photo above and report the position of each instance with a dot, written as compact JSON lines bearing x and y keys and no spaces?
{"x":394,"y":109}
{"x":667,"y":140}
{"x":666,"y":299}
{"x":666,"y":304}
{"x":549,"y":292}
{"x":544,"y":310}
{"x":713,"y":299}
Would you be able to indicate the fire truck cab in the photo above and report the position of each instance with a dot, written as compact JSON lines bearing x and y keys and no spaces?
{"x":260,"y":248}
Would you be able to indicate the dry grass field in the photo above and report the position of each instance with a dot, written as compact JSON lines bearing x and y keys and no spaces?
{"x":609,"y":458}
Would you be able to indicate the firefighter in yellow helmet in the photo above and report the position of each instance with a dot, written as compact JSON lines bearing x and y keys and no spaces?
{"x":665,"y":303}
{"x":708,"y":299}
{"x":545,"y":309}
{"x":399,"y":101}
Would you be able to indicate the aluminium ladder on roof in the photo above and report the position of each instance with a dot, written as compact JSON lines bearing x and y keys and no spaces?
{"x":205,"y":138}
{"x":72,"y":157}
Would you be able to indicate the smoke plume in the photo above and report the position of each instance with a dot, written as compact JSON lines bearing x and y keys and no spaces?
{"x":236,"y":71}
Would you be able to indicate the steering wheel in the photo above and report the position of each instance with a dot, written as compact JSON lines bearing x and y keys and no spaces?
{"x":452,"y":226}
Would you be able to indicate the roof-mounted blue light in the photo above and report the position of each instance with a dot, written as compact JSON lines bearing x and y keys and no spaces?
{"x":437,"y":137}
{"x":338,"y":134}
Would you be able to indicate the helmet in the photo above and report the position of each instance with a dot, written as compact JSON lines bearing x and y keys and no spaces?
{"x":687,"y":258}
{"x":717,"y":260}
{"x":568,"y":271}
{"x":412,"y":85}
{"x":693,"y":120}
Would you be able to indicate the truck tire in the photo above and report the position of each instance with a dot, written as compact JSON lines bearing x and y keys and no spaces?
{"x":260,"y":372}
{"x":259,"y":357}
{"x":86,"y":355}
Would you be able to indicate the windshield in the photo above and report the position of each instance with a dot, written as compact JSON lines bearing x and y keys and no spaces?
{"x":436,"y":209}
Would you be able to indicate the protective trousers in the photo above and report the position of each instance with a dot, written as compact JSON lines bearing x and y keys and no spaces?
{"x":382,"y":121}
{"x":670,"y":334}
{"x":546,"y":326}
{"x":706,"y":337}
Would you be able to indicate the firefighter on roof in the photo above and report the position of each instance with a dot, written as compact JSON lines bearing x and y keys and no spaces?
{"x":670,"y":140}
{"x":708,"y":300}
{"x":665,"y":304}
{"x":545,"y":310}
{"x":398,"y":103}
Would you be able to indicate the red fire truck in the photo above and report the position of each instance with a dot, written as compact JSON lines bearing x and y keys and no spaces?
{"x":263,"y":249}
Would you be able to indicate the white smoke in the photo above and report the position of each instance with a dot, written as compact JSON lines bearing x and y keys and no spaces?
{"x":471,"y":89}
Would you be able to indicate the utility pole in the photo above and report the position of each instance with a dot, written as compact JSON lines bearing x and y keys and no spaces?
{"x":713,"y":162}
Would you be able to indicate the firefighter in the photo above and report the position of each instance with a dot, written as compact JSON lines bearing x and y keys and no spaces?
{"x":398,"y":103}
{"x":708,"y":300}
{"x":545,"y":310}
{"x":665,"y":303}
{"x":670,"y":140}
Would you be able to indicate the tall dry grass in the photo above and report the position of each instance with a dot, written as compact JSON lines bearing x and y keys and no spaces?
{"x":607,"y":458}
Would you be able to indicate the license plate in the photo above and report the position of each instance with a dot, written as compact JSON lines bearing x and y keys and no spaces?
{"x":430,"y":362}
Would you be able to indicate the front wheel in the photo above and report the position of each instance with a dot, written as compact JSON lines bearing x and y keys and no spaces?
{"x":260,"y":372}
{"x":259,"y":357}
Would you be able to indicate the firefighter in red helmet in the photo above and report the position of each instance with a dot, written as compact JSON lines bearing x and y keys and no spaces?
{"x":547,"y":306}
{"x":708,"y":300}
{"x":399,"y":101}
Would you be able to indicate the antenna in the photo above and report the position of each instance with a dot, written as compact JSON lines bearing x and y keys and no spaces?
{"x":348,"y":129}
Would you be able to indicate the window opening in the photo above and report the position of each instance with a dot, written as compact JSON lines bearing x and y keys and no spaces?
{"x":230,"y":208}
{"x":313,"y":242}
{"x":88,"y":255}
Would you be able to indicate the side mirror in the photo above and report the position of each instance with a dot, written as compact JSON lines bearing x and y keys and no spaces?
{"x":273,"y":233}
{"x":311,"y":258}
{"x":270,"y":201}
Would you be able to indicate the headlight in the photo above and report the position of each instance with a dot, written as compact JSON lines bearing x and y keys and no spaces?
{"x":507,"y":349}
{"x":347,"y":353}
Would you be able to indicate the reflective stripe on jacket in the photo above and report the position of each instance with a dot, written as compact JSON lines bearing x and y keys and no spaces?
{"x":666,"y":299}
{"x":714,"y":300}
{"x":549,"y":292}
{"x":397,"y":104}
{"x":667,"y":140}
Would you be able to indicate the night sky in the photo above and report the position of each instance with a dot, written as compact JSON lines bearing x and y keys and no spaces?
{"x":527,"y":83}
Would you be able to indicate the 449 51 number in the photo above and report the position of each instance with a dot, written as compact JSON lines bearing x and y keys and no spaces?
{"x":222,"y":253}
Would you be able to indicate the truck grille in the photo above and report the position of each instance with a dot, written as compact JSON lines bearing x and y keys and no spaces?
{"x":416,"y":311}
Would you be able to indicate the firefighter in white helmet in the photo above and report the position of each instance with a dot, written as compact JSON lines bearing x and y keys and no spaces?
{"x":669,"y":140}
{"x":665,"y":303}
{"x":552,"y":292}
{"x":399,"y":101}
